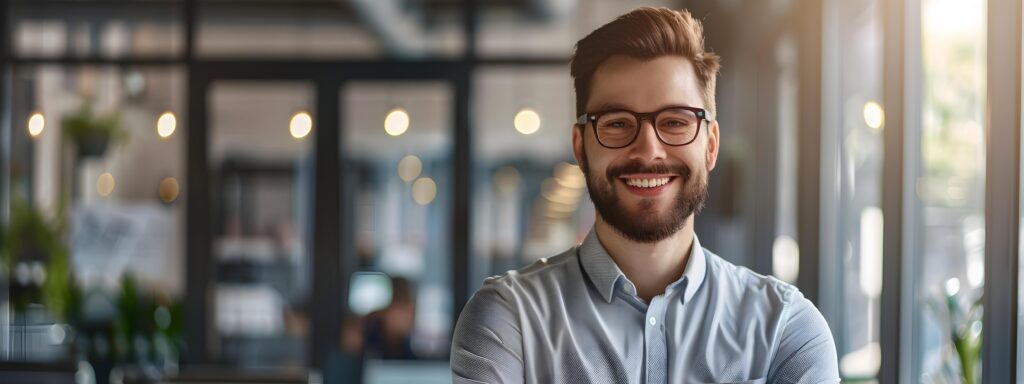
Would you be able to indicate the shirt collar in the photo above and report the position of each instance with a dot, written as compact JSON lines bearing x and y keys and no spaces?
{"x":604,"y":273}
{"x":696,"y":269}
{"x":599,"y":266}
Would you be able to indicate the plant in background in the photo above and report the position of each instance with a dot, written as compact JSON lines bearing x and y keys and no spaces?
{"x":962,"y":310}
{"x":31,"y":238}
{"x":92,"y":133}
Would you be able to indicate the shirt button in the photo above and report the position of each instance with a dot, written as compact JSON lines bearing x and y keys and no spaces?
{"x":652,"y":321}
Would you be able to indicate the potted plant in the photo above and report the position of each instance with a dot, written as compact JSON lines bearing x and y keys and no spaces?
{"x":961,"y":311}
{"x":92,"y":133}
{"x":31,"y":237}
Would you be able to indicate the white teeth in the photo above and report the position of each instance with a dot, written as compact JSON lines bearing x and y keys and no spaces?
{"x":647,"y":183}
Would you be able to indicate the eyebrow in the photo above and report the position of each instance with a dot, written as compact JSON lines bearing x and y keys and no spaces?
{"x":613,"y":106}
{"x":607,"y":106}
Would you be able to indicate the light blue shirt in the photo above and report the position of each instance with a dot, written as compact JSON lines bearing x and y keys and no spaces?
{"x":575,"y":318}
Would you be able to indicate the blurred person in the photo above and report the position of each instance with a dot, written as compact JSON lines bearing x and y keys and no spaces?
{"x":640,"y":301}
{"x":387,"y":332}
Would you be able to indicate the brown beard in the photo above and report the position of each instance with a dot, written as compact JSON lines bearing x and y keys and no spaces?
{"x":646,"y":228}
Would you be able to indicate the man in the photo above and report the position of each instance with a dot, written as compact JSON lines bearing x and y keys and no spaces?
{"x":640,"y":301}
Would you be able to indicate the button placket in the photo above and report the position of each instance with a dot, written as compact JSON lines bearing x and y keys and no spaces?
{"x":655,"y":348}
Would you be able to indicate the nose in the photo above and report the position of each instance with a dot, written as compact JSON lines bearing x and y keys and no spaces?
{"x":647,"y":146}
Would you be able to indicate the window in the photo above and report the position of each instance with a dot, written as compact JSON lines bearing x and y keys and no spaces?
{"x":261,"y":172}
{"x":398,"y":150}
{"x":96,"y":157}
{"x":948,"y":226}
{"x":852,"y":197}
{"x":530,"y":198}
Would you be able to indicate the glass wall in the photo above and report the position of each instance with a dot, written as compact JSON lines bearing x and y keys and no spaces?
{"x":261,"y":172}
{"x":94,"y":233}
{"x":853,"y":197}
{"x":948,"y":269}
{"x":397,"y":148}
{"x":530,"y":198}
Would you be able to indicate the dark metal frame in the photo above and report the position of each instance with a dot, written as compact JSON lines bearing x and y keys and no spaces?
{"x":809,"y":192}
{"x":5,"y":152}
{"x":1002,"y":184}
{"x":893,"y":368}
{"x":592,"y":118}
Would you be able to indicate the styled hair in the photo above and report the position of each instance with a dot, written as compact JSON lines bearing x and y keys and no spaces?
{"x":645,"y":34}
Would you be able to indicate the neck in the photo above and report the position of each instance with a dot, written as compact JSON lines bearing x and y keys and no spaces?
{"x":651,"y":267}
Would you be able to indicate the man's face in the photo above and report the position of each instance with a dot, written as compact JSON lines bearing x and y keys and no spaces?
{"x":653,"y":213}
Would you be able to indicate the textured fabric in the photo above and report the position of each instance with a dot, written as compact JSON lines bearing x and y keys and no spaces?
{"x":575,"y":318}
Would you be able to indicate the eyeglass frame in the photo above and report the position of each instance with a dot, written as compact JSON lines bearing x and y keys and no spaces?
{"x":592,"y":117}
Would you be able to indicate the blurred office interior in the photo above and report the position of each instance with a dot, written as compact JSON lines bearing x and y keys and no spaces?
{"x":309,"y":191}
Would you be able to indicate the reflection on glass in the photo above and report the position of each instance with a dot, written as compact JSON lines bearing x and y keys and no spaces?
{"x":949,"y":273}
{"x":261,"y":213}
{"x":401,"y":179}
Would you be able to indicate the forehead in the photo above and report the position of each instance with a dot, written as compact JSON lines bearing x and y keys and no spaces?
{"x":644,"y":85}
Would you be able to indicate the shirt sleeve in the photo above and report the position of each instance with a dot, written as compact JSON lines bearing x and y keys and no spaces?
{"x":487,"y":345}
{"x":807,"y":353}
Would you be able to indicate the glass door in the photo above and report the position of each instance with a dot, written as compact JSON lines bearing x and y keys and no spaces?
{"x":261,"y":172}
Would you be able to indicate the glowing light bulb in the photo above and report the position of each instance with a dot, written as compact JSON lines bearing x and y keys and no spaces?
{"x":873,"y":115}
{"x":396,"y":122}
{"x":166,"y":124}
{"x":409,"y":168}
{"x":301,"y":125}
{"x":527,"y":121}
{"x":36,"y":123}
{"x":424,"y":190}
{"x":169,"y":189}
{"x":105,"y":184}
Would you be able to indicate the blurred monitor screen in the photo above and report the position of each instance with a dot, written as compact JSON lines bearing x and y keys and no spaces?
{"x":369,"y":292}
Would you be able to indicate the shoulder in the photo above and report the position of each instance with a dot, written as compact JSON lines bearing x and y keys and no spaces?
{"x":494,"y":308}
{"x":540,"y":276}
{"x":746,"y":287}
{"x":803,"y":348}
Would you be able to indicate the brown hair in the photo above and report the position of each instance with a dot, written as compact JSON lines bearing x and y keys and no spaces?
{"x":645,"y":33}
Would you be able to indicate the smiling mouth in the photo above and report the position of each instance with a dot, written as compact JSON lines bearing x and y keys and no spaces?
{"x":653,"y":182}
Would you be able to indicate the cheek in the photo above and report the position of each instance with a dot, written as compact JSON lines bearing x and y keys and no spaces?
{"x":595,"y":162}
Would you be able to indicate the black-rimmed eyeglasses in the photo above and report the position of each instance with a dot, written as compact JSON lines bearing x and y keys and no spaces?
{"x":617,"y":128}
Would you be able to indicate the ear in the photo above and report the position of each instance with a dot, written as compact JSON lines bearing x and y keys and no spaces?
{"x":711,"y":157}
{"x":577,"y":143}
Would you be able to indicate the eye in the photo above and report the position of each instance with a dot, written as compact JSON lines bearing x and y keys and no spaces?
{"x":618,"y":123}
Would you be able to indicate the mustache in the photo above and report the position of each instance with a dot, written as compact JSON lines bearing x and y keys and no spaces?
{"x":614,"y":172}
